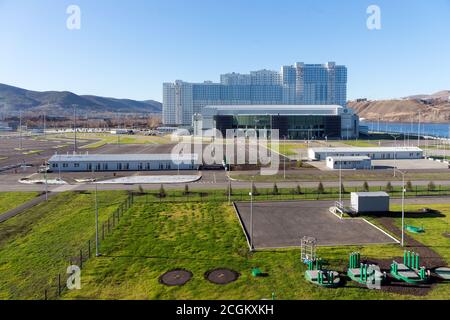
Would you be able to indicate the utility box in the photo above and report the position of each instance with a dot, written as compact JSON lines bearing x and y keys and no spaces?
{"x":368,"y":202}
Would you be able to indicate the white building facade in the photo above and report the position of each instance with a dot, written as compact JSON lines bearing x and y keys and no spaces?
{"x":347,"y":163}
{"x":300,"y":84}
{"x":375,"y":153}
{"x":122,"y":162}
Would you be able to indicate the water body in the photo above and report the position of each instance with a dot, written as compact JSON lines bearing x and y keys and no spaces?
{"x":441,"y":130}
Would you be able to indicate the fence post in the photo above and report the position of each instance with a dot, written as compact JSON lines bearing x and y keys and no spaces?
{"x":59,"y":284}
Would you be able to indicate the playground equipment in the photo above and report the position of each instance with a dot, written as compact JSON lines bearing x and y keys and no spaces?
{"x":308,"y":249}
{"x":364,"y":273}
{"x":415,"y":229}
{"x":443,"y":273}
{"x":323,"y":278}
{"x":409,"y":271}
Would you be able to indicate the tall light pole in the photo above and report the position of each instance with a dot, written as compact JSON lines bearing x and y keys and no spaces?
{"x":340,"y":181}
{"x":75,"y":128}
{"x":284,"y":158}
{"x":395,"y":153}
{"x":20,"y":130}
{"x":403,"y":206}
{"x":97,"y":242}
{"x":251,"y":216}
{"x":418,"y":132}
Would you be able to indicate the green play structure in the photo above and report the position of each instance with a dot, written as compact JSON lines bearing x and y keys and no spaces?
{"x":324,"y":278}
{"x":256,"y":272}
{"x":443,"y":273}
{"x":414,"y":229}
{"x":364,"y":273}
{"x":409,"y":271}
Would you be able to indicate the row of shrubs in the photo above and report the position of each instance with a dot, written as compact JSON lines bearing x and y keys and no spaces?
{"x":297,"y":190}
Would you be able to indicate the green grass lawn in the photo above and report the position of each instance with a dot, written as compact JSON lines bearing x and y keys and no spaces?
{"x":157,"y":237}
{"x":289,"y":149}
{"x":360,"y":143}
{"x":105,"y":138}
{"x":36,"y":245}
{"x":154,"y":237}
{"x":11,"y":200}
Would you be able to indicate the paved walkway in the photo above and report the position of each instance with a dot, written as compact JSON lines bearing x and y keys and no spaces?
{"x":18,"y":210}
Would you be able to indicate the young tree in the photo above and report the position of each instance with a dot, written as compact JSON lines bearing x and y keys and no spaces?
{"x":186,"y":190}
{"x":431,"y":186}
{"x":409,"y":186}
{"x":320,"y":188}
{"x":389,"y":187}
{"x":140,"y":189}
{"x":343,"y":188}
{"x":229,"y":190}
{"x":365,"y":186}
{"x":298,"y":190}
{"x":275,"y":189}
{"x":162,"y":192}
{"x":254,"y":190}
{"x":299,"y":163}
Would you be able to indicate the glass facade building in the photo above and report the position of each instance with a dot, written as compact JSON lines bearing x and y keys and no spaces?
{"x":293,"y":122}
{"x":300,"y":84}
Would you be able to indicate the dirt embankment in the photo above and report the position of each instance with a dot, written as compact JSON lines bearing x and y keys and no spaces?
{"x":437,"y":111}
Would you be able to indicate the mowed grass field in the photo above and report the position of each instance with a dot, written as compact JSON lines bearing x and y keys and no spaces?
{"x":157,"y":237}
{"x":36,"y":245}
{"x":11,"y":200}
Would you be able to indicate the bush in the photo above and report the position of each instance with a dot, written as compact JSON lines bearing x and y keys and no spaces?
{"x":431,"y":186}
{"x":275,"y":189}
{"x":162,"y":192}
{"x":365,"y":186}
{"x":298,"y":190}
{"x":299,"y":163}
{"x":409,"y":186}
{"x":320,"y":188}
{"x":141,"y":190}
{"x":389,"y":187}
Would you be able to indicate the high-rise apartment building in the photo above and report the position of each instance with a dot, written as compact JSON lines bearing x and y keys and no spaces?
{"x":301,"y":84}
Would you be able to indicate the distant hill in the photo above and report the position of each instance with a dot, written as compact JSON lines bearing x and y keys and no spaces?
{"x":433,"y":108}
{"x":13,"y":99}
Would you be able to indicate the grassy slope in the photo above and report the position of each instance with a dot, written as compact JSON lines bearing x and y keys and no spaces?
{"x":11,"y":200}
{"x":155,"y":238}
{"x":37,"y":244}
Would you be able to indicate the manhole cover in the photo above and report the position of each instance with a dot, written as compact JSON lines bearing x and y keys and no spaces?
{"x":177,"y":277}
{"x":221,"y":276}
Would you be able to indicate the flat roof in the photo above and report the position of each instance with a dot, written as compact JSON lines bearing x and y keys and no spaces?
{"x":121,"y":157}
{"x":367,"y":150}
{"x":355,"y":158}
{"x":371,"y":194}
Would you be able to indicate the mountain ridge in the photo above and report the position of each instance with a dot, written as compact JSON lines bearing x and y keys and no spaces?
{"x":14,"y":99}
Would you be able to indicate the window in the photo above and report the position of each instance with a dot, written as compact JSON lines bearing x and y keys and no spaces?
{"x":65,"y":165}
{"x":76,"y":165}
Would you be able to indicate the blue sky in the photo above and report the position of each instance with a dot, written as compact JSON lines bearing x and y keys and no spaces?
{"x":127,"y":49}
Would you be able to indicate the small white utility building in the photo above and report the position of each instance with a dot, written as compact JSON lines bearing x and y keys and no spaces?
{"x":346,"y":163}
{"x":375,"y":153}
{"x":370,"y":202}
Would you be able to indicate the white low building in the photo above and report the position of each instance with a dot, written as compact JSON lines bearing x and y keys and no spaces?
{"x":122,"y":162}
{"x":345,"y":163}
{"x":375,"y":153}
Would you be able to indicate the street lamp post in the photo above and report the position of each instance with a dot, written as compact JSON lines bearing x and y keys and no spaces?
{"x":251,"y":217}
{"x":403,"y":206}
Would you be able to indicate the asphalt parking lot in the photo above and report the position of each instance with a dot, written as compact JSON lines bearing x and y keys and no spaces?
{"x":283,"y":224}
